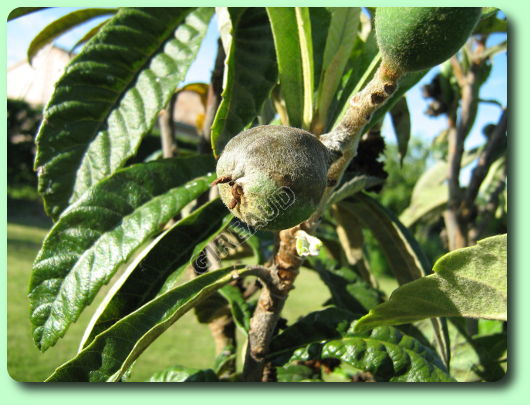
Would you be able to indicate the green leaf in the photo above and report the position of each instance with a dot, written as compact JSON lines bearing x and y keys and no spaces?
{"x":338,"y":48}
{"x":320,"y":20}
{"x":184,"y":374}
{"x":386,"y":361}
{"x":149,"y":277}
{"x":424,"y":204}
{"x":351,"y":238}
{"x":62,"y":25}
{"x":225,"y":362}
{"x":469,"y":282}
{"x":384,"y":352}
{"x":348,"y":290}
{"x":22,"y":11}
{"x":112,"y":352}
{"x":240,"y":308}
{"x":88,"y":35}
{"x":477,"y":358}
{"x":363,"y":63}
{"x":250,"y":73}
{"x":110,"y":96}
{"x":291,"y":29}
{"x":353,"y":186}
{"x":480,"y":358}
{"x":400,"y":117}
{"x":490,"y":24}
{"x":404,"y":256}
{"x":101,"y":231}
{"x":430,"y":191}
{"x":297,"y":373}
{"x":328,"y":323}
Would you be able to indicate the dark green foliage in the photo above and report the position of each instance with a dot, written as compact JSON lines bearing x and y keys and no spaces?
{"x":251,"y":73}
{"x":76,"y":259}
{"x":112,"y":352}
{"x":347,"y":289}
{"x":163,"y":264}
{"x":386,"y":353}
{"x":110,"y":96}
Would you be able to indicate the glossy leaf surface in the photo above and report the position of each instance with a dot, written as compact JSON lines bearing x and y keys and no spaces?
{"x":101,"y":231}
{"x":170,"y":256}
{"x":112,"y":352}
{"x":110,"y":96}
{"x":250,"y":73}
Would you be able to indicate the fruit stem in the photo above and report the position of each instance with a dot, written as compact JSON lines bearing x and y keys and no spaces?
{"x":342,"y":142}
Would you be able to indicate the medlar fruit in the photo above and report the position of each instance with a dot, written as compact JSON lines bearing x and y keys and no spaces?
{"x":416,"y":38}
{"x":273,"y":177}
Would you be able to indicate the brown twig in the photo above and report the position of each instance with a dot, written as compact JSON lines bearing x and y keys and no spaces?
{"x":468,"y":82}
{"x":167,"y":129}
{"x":484,"y":162}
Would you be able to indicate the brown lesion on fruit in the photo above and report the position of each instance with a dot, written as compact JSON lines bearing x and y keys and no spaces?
{"x":236,"y":189}
{"x":237,"y":192}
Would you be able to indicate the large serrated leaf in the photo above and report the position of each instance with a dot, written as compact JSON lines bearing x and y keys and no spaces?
{"x":385,"y":361}
{"x":112,"y":352}
{"x":291,"y":29}
{"x":172,"y":253}
{"x":469,"y":282}
{"x":250,"y":73}
{"x":385,"y":352}
{"x":101,"y":231}
{"x":62,"y":25}
{"x":110,"y":96}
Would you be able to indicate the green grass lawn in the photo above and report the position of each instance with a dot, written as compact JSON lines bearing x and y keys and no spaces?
{"x":186,"y":343}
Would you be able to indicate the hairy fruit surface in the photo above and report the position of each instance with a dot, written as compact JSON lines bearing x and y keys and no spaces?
{"x":272,"y":177}
{"x":416,"y":38}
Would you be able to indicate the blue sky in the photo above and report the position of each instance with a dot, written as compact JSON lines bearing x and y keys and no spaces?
{"x":21,"y":31}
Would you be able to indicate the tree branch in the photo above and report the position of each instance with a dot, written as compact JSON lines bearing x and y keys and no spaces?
{"x":167,"y":129}
{"x":485,"y":160}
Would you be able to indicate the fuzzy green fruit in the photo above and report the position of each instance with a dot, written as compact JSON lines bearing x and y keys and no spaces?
{"x":273,"y":177}
{"x":416,"y":38}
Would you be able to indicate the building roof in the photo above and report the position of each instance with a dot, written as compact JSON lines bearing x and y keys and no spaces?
{"x":35,"y":83}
